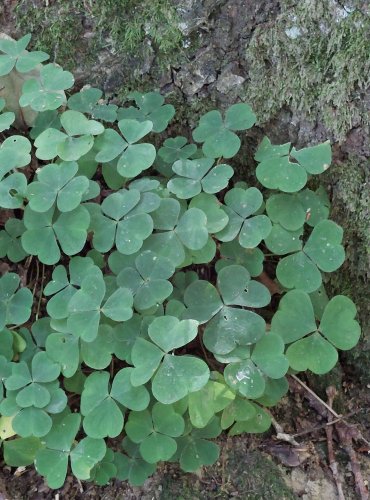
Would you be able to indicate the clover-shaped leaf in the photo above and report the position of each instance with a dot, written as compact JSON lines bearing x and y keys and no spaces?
{"x":45,"y":230}
{"x":72,"y":145}
{"x":85,"y":307}
{"x":229,"y":326}
{"x":52,"y":461}
{"x":125,"y":221}
{"x":10,"y":244}
{"x":88,"y":101}
{"x":177,"y":375}
{"x":233,"y":253}
{"x":133,"y":158}
{"x":63,"y":288}
{"x":258,"y":424}
{"x":240,"y":204}
{"x":276,"y":171}
{"x":47,"y":92}
{"x":313,"y":347}
{"x":155,"y":432}
{"x":238,"y":410}
{"x":217,"y":218}
{"x":217,"y":133}
{"x":323,"y":251}
{"x":237,"y":288}
{"x":103,"y":417}
{"x":266,"y":359}
{"x":193,"y":176}
{"x":132,"y":467}
{"x":16,"y":55}
{"x":291,"y":211}
{"x":194,"y":449}
{"x":151,"y":107}
{"x":204,"y":404}
{"x":105,"y":470}
{"x":189,"y":231}
{"x":176,"y":148}
{"x":15,"y":305}
{"x":57,"y":182}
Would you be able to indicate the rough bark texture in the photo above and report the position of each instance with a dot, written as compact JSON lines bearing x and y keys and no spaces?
{"x":303,"y":66}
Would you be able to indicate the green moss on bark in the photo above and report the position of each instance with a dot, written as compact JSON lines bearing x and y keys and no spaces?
{"x":67,"y":29}
{"x":313,"y":58}
{"x":349,"y":182}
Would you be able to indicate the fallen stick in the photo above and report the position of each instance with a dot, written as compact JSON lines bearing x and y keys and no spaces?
{"x":331,"y":392}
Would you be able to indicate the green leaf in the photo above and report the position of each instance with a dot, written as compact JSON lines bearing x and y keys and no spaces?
{"x":202,"y":301}
{"x":338,"y":324}
{"x":238,"y":410}
{"x":43,"y":232}
{"x":281,"y":241}
{"x":32,"y":422}
{"x":109,"y":144}
{"x":298,"y":271}
{"x":105,"y":470}
{"x":174,"y":149}
{"x":84,"y":308}
{"x":13,"y":191}
{"x":145,"y":357}
{"x":14,"y":153}
{"x":204,"y":404}
{"x":216,"y":133}
{"x":148,"y":282}
{"x":237,"y":288}
{"x":245,"y":377}
{"x":294,"y":318}
{"x":268,"y":356}
{"x":63,"y":348}
{"x":6,"y":119}
{"x":181,"y":332}
{"x":103,"y":417}
{"x":133,"y":468}
{"x":315,"y":159}
{"x":233,"y":327}
{"x":10,"y":243}
{"x":134,"y":398}
{"x":57,"y":182}
{"x":241,"y":204}
{"x":46,"y":93}
{"x":150,"y":108}
{"x":312,"y":353}
{"x":280,"y":173}
{"x":258,"y":424}
{"x":15,"y":305}
{"x":192,"y":230}
{"x":86,"y":455}
{"x":193,"y":176}
{"x":233,"y":253}
{"x":157,"y":447}
{"x":177,"y":376}
{"x":324,"y":246}
{"x":21,"y":452}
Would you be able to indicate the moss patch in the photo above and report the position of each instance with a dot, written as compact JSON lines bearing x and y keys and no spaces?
{"x":349,"y":183}
{"x":314,"y":58}
{"x":66,"y":29}
{"x":241,"y":473}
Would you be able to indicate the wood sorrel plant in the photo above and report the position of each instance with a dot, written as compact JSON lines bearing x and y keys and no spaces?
{"x":143,"y":312}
